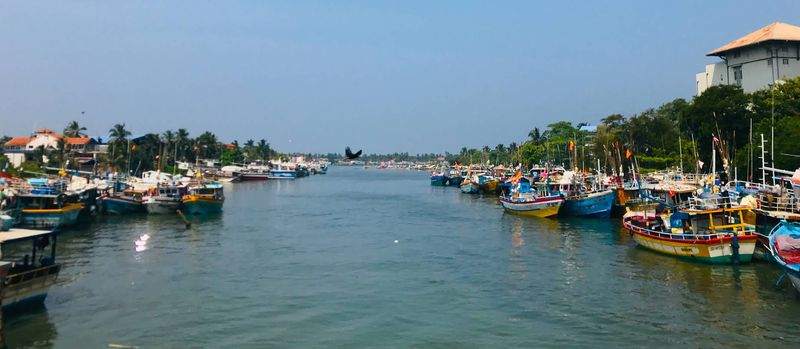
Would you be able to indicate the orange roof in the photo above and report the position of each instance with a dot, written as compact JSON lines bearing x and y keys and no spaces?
{"x":78,"y":140}
{"x":18,"y":141}
{"x":774,"y":32}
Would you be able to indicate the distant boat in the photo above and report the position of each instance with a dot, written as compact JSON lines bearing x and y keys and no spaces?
{"x":784,"y":241}
{"x":128,"y":200}
{"x":166,"y":198}
{"x":454,"y":178}
{"x":527,"y":201}
{"x":27,"y":280}
{"x":282,"y":171}
{"x":439,"y":179}
{"x":711,"y":234}
{"x":468,"y":186}
{"x":253,"y":175}
{"x":204,"y":199}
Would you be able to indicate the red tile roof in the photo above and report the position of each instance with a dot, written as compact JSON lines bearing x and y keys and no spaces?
{"x":78,"y":140}
{"x":18,"y":141}
{"x":774,"y":32}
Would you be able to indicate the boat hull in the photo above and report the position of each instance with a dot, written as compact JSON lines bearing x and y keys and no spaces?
{"x":248,"y":177}
{"x":161,"y":206}
{"x":470,"y":188}
{"x":51,"y":218}
{"x":30,"y":287}
{"x":714,"y":250}
{"x":594,"y":205}
{"x":545,"y":207}
{"x":282,"y":174}
{"x":455,"y":181}
{"x":200,"y":207}
{"x":438,"y":181}
{"x":117,"y":205}
{"x":489,"y":186}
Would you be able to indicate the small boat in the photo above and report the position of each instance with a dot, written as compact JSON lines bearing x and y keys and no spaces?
{"x":784,"y":241}
{"x":527,"y":201}
{"x":711,"y":235}
{"x":454,"y":179}
{"x":487,"y":184}
{"x":128,"y":200}
{"x":166,"y":198}
{"x":252,"y":175}
{"x":203,"y":199}
{"x":468,"y":186}
{"x":28,"y":279}
{"x":592,"y":204}
{"x":282,"y":171}
{"x":439,"y":179}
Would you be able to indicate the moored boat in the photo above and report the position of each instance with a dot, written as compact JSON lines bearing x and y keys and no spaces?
{"x":524,"y":200}
{"x":593,"y":204}
{"x":127,"y":201}
{"x":166,"y":198}
{"x":784,"y":243}
{"x":715,"y":235}
{"x":203,"y":199}
{"x":439,"y":179}
{"x":29,"y":278}
{"x":282,"y":171}
{"x":47,"y":206}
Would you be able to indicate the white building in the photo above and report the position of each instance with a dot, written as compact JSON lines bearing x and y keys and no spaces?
{"x":756,"y":60}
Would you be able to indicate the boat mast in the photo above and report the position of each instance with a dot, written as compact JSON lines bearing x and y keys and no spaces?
{"x":763,"y":162}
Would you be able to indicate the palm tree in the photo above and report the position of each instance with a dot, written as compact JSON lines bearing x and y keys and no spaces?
{"x":182,"y":141}
{"x":118,"y":133}
{"x":73,"y":129}
{"x":535,"y":136}
{"x":264,"y":150}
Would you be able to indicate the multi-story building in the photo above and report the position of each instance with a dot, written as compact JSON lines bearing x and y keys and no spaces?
{"x":20,"y":149}
{"x":756,"y":60}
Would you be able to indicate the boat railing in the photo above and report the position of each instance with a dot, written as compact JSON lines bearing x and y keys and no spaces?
{"x":695,"y":203}
{"x":691,"y":236}
{"x":28,"y":275}
{"x":779,"y":203}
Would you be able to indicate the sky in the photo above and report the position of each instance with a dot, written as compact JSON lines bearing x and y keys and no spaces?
{"x":383,"y":76}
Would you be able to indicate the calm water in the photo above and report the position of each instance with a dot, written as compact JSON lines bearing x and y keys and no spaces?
{"x":314,"y":263}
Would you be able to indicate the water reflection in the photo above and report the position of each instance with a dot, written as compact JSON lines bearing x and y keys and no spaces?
{"x":32,"y":328}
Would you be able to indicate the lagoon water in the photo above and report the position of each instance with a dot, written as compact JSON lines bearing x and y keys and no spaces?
{"x":313,"y":263}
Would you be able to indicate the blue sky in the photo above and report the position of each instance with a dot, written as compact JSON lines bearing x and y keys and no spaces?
{"x":385,"y":76}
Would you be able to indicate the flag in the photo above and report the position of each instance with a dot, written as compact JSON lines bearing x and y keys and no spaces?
{"x":700,"y":163}
{"x":571,"y":145}
{"x":628,"y":153}
{"x":714,"y":139}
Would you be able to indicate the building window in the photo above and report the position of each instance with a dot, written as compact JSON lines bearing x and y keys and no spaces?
{"x":785,"y":61}
{"x":737,"y":74}
{"x":769,"y":51}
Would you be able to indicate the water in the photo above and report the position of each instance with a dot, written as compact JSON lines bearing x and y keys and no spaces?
{"x":314,"y":264}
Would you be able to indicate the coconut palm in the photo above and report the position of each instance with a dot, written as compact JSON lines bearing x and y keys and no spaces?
{"x":119,"y":134}
{"x":73,"y":129}
{"x":183,"y":142}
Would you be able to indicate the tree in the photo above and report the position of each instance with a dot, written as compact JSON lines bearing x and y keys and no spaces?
{"x":184,"y":144}
{"x":73,"y":129}
{"x":535,"y":136}
{"x":118,"y":133}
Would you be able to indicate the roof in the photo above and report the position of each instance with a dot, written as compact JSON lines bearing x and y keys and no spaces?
{"x":774,"y":32}
{"x":15,"y":234}
{"x":44,"y":131}
{"x":18,"y":141}
{"x":588,"y":128}
{"x":78,"y":140}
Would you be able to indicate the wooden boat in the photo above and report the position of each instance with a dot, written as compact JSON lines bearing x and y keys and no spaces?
{"x":705,"y":234}
{"x":282,"y":171}
{"x":127,"y":201}
{"x":47,"y":206}
{"x":468,"y":186}
{"x":166,"y":198}
{"x":526,"y":201}
{"x":487,"y":184}
{"x":592,"y":204}
{"x":454,"y":178}
{"x":439,"y":179}
{"x":29,"y":278}
{"x":203,"y":199}
{"x":784,"y":241}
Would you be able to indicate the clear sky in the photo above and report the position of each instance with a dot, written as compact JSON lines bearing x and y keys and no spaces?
{"x":385,"y":76}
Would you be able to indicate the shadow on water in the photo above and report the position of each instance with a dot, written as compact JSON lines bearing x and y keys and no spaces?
{"x":31,"y":325}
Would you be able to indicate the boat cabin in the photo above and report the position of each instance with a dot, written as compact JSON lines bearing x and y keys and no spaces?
{"x":32,"y":271}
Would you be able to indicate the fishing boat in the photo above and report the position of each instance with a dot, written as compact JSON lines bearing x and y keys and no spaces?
{"x":439,"y":179}
{"x":784,"y":243}
{"x":28,"y":278}
{"x":454,"y":178}
{"x":123,"y":199}
{"x":44,"y":205}
{"x":252,"y":175}
{"x":589,"y":204}
{"x":470,"y":185}
{"x":282,"y":171}
{"x":487,"y":184}
{"x":703,"y":232}
{"x":525,"y":200}
{"x":166,"y":198}
{"x":203,"y":199}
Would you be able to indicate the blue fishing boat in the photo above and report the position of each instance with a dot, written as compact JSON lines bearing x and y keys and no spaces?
{"x":46,"y":205}
{"x":281,"y":171}
{"x":439,"y":179}
{"x":784,"y":241}
{"x":455,"y":178}
{"x":593,"y":204}
{"x":123,"y":199}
